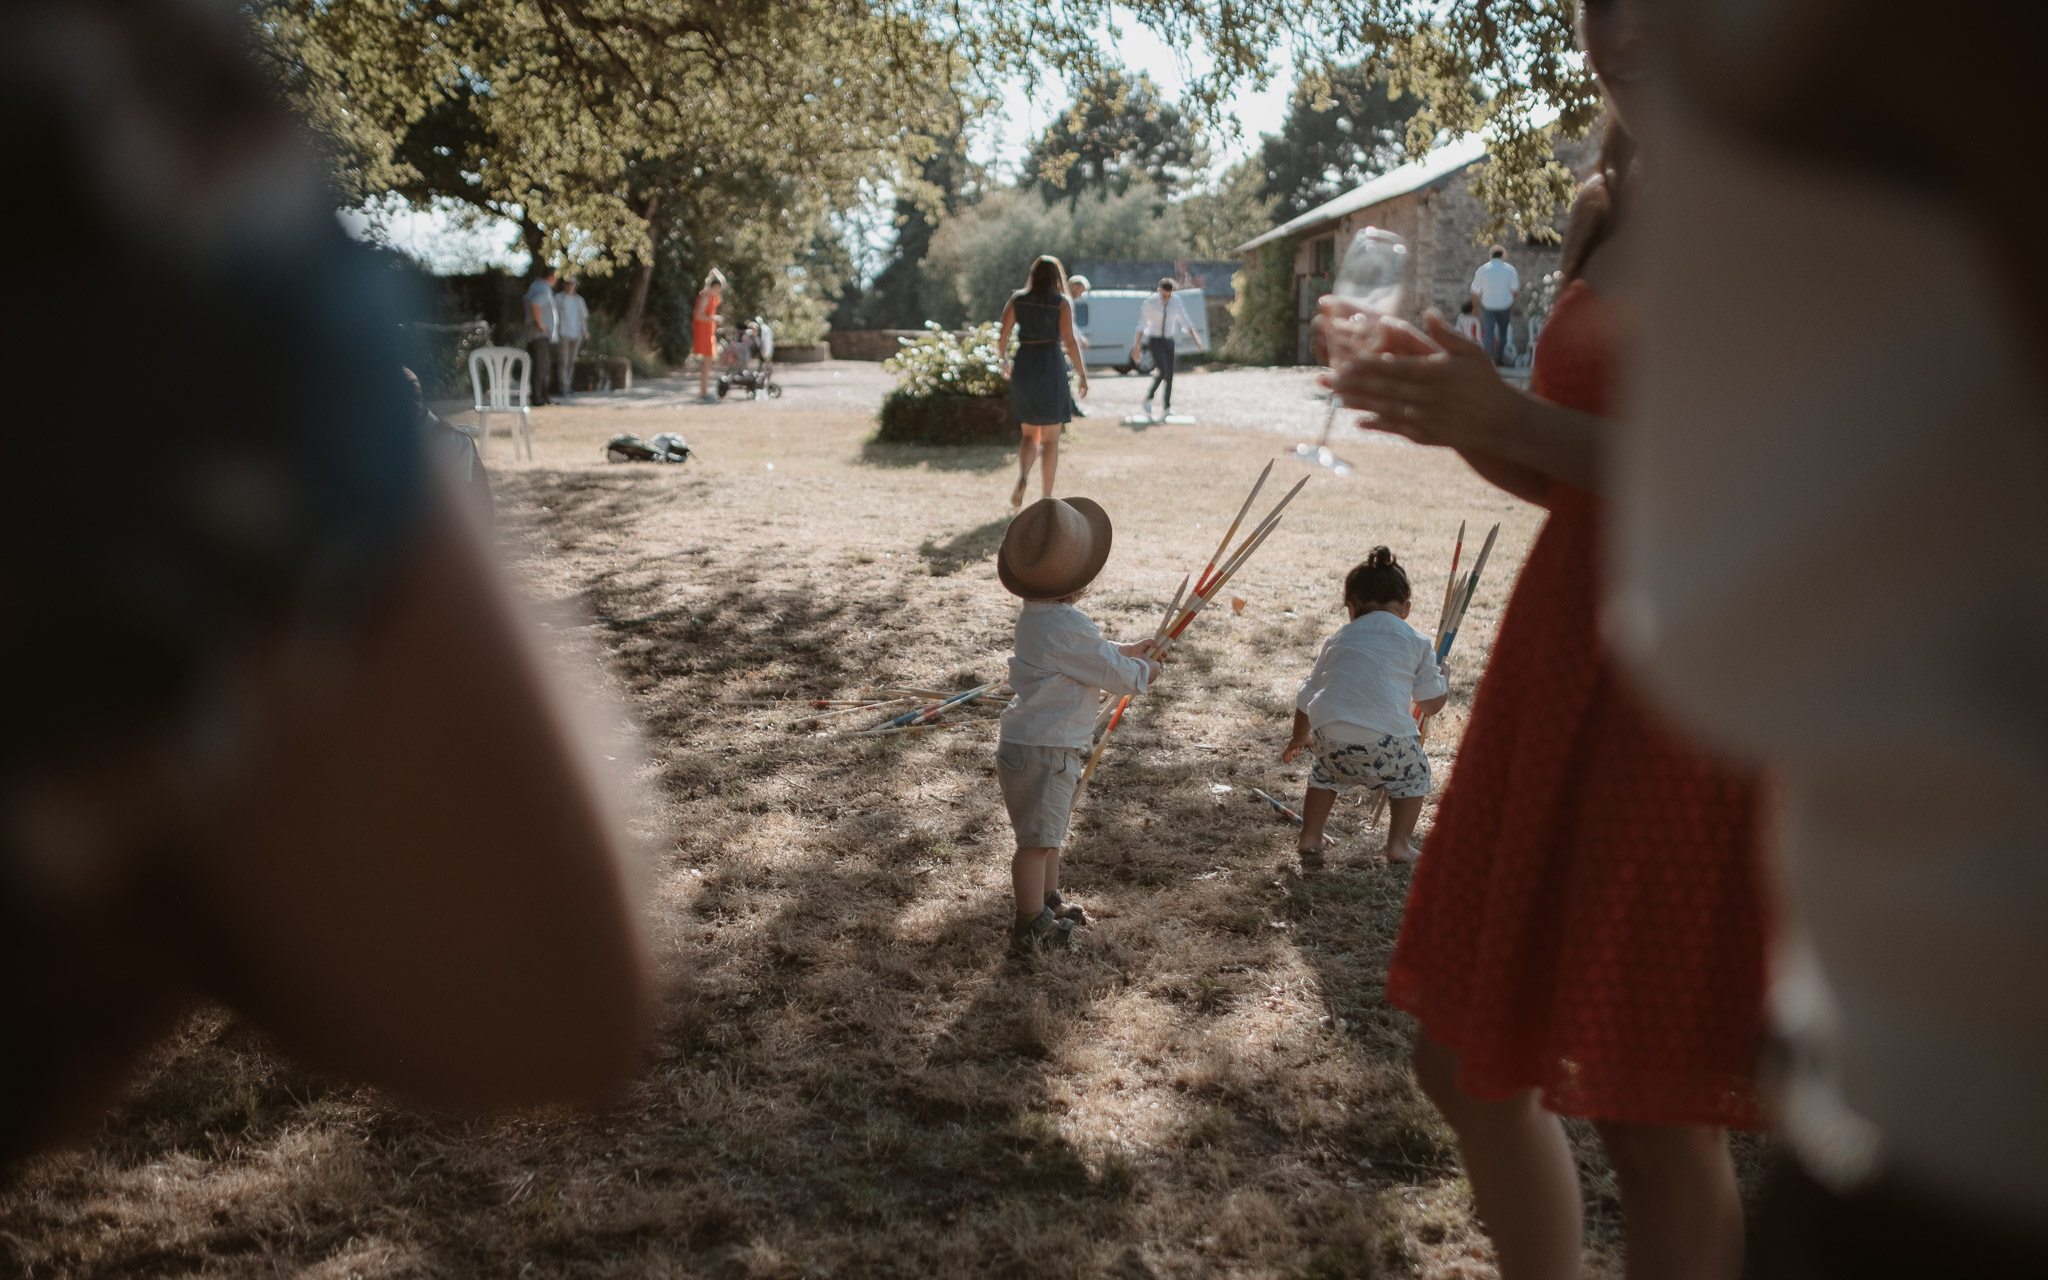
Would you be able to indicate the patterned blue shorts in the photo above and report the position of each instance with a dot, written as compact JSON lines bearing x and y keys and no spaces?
{"x":1395,"y":765}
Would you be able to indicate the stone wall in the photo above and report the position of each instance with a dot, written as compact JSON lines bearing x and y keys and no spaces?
{"x":868,"y":344}
{"x":1441,"y":222}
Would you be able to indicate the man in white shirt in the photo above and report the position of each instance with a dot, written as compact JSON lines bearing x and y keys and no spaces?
{"x":1494,"y":287}
{"x":1156,"y":321}
{"x":537,"y":313}
{"x":572,"y":326}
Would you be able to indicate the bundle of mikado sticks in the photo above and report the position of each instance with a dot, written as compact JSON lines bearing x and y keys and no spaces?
{"x":1183,"y":608}
{"x":1458,"y":593}
{"x":918,"y":719}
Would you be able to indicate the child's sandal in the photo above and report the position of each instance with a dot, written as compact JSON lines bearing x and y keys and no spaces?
{"x":1042,"y":932}
{"x":1065,"y":910}
{"x":1310,"y":857}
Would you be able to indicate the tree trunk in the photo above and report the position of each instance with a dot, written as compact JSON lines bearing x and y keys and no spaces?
{"x":536,"y":244}
{"x":643,"y":275}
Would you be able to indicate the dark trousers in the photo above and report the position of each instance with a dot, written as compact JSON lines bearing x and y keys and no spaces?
{"x":1161,"y":350}
{"x":1891,"y":1230}
{"x":1494,"y":325}
{"x":541,"y":354}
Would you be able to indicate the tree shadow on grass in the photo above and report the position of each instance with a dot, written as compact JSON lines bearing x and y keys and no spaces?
{"x":849,"y":1074}
{"x":963,"y":549}
{"x":963,"y":457}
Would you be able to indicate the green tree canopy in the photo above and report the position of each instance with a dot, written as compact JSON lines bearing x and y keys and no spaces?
{"x":615,"y":131}
{"x":1115,"y":131}
{"x":1224,"y":214}
{"x":612,"y":132}
{"x":1342,"y":127}
{"x":981,"y":255}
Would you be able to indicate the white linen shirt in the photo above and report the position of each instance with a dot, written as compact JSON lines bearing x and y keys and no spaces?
{"x":1060,"y":663}
{"x":1495,"y":282}
{"x":1368,"y":675}
{"x":1156,"y":319}
{"x":572,"y":317}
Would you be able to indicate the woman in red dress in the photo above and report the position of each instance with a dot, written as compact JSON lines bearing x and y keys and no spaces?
{"x":1585,"y":935}
{"x":704,"y":329}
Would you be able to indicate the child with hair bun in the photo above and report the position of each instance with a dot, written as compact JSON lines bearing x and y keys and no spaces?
{"x":1357,"y":711}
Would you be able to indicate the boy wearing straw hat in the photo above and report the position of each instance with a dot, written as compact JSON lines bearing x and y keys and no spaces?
{"x":1051,"y":552}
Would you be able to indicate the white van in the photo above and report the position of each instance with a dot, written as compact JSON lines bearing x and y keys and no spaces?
{"x":1107,"y":320}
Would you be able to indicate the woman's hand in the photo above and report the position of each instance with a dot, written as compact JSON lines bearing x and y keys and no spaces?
{"x":1292,"y":749}
{"x":1436,"y":389}
{"x":1083,"y":390}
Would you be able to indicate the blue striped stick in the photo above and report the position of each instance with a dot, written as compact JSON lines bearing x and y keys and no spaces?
{"x":1450,"y":636}
{"x":925,"y":712}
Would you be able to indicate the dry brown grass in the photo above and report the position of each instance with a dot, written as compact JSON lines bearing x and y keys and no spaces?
{"x":850,"y":1077}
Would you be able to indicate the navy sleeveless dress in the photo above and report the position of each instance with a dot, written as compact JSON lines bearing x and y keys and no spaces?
{"x":1038,"y":379}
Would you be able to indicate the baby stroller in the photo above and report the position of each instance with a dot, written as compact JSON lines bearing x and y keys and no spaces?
{"x":756,"y":374}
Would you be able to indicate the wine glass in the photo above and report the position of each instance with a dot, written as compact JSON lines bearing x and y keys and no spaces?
{"x":1372,"y":278}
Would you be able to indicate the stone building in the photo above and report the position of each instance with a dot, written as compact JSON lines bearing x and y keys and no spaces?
{"x":1430,"y":204}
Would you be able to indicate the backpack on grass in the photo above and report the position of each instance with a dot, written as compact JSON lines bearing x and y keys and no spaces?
{"x":666,"y":447}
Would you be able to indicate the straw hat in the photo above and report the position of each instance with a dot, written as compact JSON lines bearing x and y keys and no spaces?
{"x":1054,"y":548}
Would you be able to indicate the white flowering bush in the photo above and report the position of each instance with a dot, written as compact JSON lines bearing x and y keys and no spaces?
{"x":942,"y":363}
{"x":1542,"y":298}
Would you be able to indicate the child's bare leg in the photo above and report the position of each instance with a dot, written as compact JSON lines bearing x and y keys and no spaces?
{"x":1401,"y":816}
{"x":1050,"y":450}
{"x":1315,"y":811}
{"x":1052,"y":873}
{"x":1029,"y":878}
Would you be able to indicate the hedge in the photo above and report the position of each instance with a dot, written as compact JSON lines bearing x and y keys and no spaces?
{"x":947,"y":419}
{"x":1262,"y":325}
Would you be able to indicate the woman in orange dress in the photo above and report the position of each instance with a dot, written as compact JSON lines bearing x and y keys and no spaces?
{"x":1585,"y":933}
{"x":704,"y":330}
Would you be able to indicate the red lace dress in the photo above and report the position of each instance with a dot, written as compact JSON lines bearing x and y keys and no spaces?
{"x":1588,"y":919}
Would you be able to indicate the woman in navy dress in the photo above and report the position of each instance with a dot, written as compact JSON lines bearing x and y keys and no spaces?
{"x":1044,"y":321}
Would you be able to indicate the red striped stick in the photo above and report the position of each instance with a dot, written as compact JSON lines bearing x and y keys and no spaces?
{"x":1202,"y":582}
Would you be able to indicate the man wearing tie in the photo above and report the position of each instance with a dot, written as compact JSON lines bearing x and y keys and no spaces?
{"x":1156,"y":321}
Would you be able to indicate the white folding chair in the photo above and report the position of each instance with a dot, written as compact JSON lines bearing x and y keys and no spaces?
{"x":507,"y":376}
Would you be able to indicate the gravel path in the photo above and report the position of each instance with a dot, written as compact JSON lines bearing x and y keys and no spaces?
{"x":1284,"y":401}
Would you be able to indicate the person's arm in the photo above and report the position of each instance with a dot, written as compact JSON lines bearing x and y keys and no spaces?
{"x":539,"y":321}
{"x":1097,"y":663}
{"x":1181,"y":314}
{"x":1297,"y":740}
{"x":1432,"y":687}
{"x":697,"y":311}
{"x":1526,"y":483}
{"x":388,"y":918}
{"x":1138,"y":334}
{"x":1443,"y":390}
{"x":1311,"y":685}
{"x":1073,"y":347}
{"x":1003,"y":337}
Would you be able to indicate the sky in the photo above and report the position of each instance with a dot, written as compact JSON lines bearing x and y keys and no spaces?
{"x":1005,"y":140}
{"x":452,"y":245}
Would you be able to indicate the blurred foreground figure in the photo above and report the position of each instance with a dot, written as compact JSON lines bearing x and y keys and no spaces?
{"x":1834,"y":557}
{"x":270,"y":734}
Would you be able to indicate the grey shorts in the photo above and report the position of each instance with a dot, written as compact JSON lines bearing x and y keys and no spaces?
{"x":1038,"y":790}
{"x":1397,"y":766}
